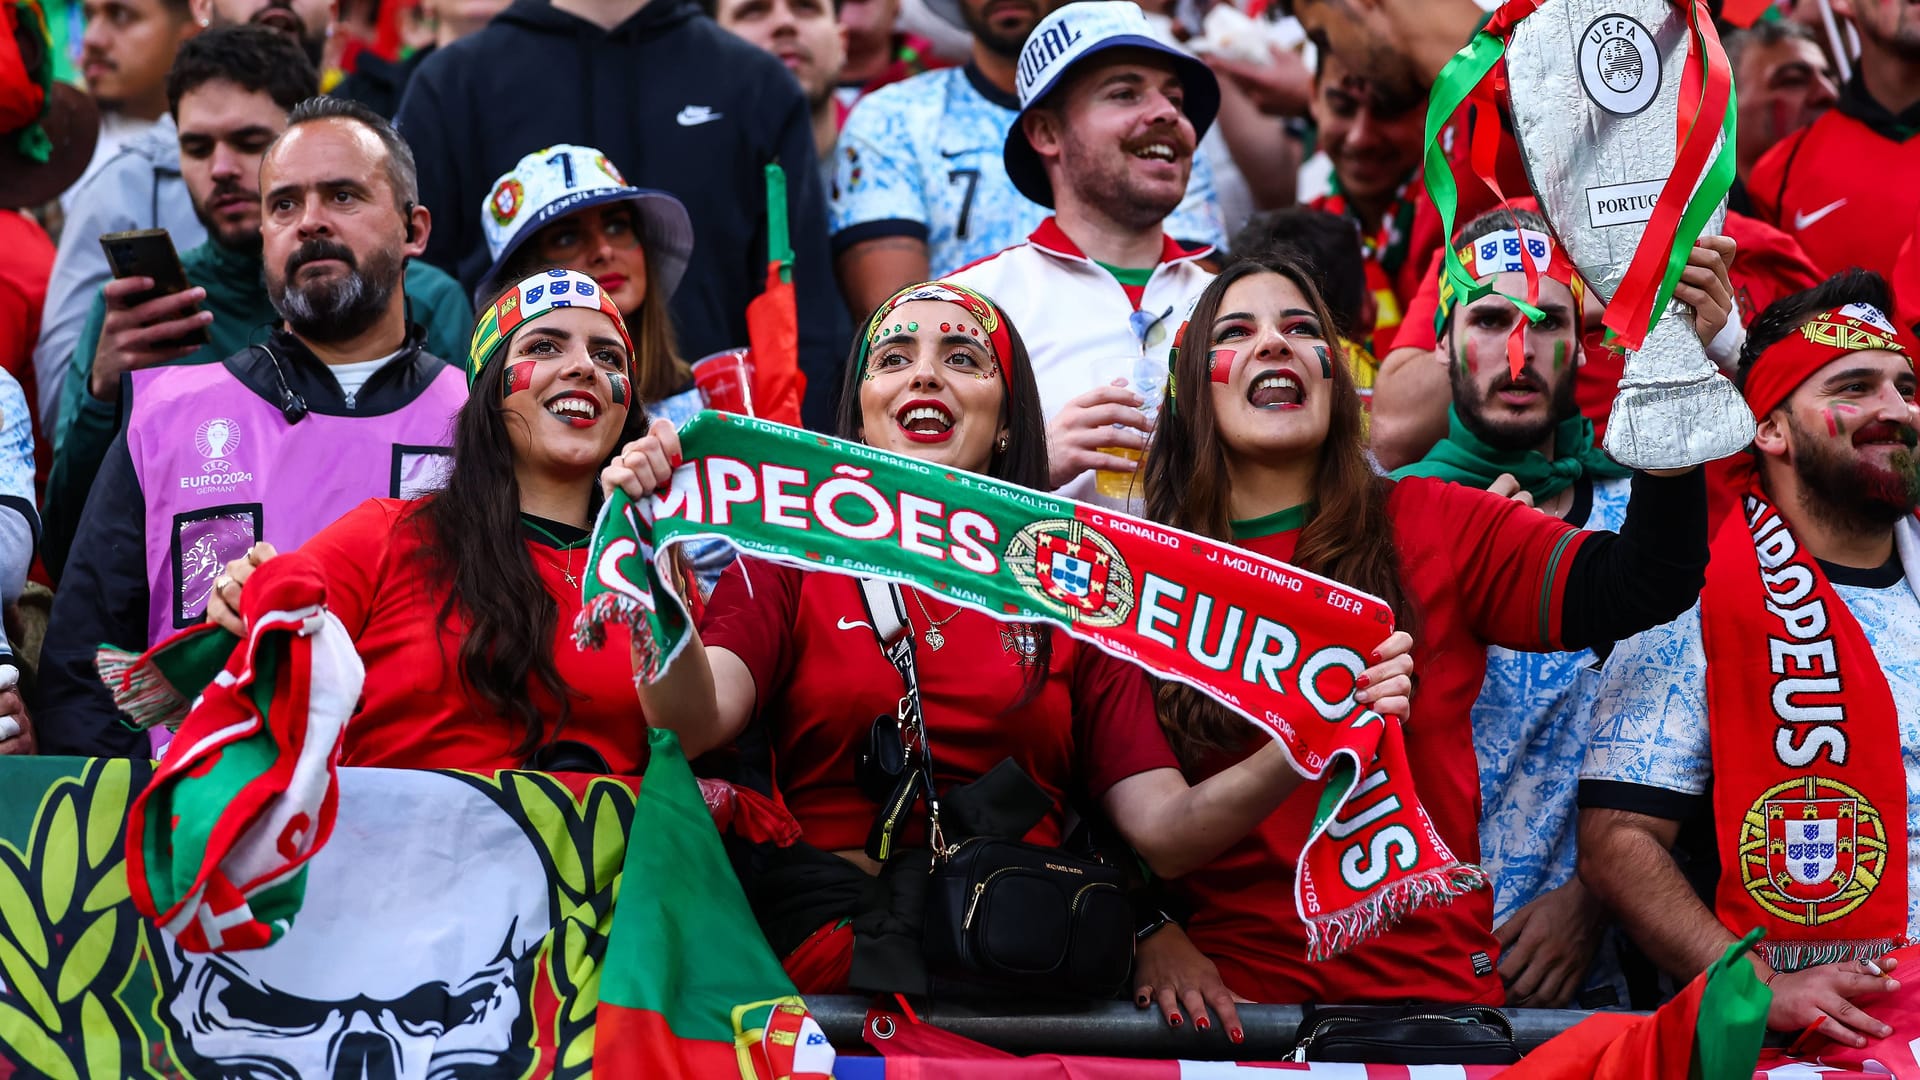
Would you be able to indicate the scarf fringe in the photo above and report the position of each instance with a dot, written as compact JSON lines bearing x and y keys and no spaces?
{"x":590,"y":630}
{"x":1330,"y":935}
{"x":1795,"y":955}
{"x":142,"y":694}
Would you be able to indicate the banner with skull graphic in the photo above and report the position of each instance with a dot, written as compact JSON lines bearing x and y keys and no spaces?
{"x":454,"y":926}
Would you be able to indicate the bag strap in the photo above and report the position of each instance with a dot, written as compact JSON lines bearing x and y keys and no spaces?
{"x":887,"y":611}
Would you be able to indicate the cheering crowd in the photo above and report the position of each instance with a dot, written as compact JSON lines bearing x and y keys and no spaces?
{"x":450,"y":268}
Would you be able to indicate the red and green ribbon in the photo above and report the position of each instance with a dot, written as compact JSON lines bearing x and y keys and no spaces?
{"x":1695,"y":188}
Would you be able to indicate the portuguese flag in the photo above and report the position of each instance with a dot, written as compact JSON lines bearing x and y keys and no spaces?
{"x":689,"y":987}
{"x":773,"y":318}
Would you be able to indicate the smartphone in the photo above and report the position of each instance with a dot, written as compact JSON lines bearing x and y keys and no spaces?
{"x":149,"y":253}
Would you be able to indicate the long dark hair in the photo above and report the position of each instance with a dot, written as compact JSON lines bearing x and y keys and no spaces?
{"x":1023,"y":462}
{"x":1349,"y":538}
{"x":658,"y":370}
{"x":479,"y":563}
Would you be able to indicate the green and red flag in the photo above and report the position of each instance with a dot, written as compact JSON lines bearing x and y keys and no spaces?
{"x":1711,"y":1031}
{"x":773,"y":318}
{"x":1277,"y":645}
{"x":1476,"y":78}
{"x":689,"y":987}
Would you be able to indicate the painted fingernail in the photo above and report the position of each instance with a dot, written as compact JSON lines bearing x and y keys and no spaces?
{"x":1236,"y":1035}
{"x":1362,"y":680}
{"x":1141,"y":1001}
{"x":1175,"y":1019}
{"x":1203,"y":1024}
{"x":674,"y":462}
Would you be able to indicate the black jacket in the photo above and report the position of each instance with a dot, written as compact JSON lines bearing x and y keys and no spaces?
{"x":103,"y":597}
{"x":675,"y":103}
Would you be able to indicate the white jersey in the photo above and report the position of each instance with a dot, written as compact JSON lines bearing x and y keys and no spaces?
{"x":1078,"y":321}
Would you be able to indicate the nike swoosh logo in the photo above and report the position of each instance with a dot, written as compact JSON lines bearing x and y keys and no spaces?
{"x":695,"y":115}
{"x":945,"y":153}
{"x":849,"y":624}
{"x":1801,"y":221}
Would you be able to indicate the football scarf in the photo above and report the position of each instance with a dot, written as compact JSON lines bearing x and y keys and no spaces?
{"x":217,"y":844}
{"x":1809,"y":797}
{"x":1463,"y":458}
{"x":1275,"y":644}
{"x":530,"y":299}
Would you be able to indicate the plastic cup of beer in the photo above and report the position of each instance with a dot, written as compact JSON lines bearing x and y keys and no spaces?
{"x":1149,"y":380}
{"x":725,"y":380}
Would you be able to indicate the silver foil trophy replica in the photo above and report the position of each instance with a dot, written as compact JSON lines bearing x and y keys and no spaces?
{"x":1604,"y":105}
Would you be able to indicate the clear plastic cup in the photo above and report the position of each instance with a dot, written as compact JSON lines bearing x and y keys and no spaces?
{"x":1149,"y":380}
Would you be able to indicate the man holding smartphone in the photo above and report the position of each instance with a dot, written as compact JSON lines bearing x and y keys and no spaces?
{"x":230,"y":91}
{"x":343,"y":404}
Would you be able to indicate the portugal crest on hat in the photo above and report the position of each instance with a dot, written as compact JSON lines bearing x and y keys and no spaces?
{"x":506,"y":200}
{"x":1812,"y":850}
{"x":1072,"y":569}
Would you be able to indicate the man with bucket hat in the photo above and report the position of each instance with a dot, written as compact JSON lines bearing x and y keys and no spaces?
{"x":920,"y":189}
{"x":1109,"y":119}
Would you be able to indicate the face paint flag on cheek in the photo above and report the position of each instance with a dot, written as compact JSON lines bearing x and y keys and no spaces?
{"x":1326,"y":361}
{"x":1220,"y":365}
{"x":519,"y":377}
{"x":620,"y":388}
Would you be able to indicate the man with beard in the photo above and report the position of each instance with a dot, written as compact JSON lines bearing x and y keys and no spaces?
{"x":230,"y":92}
{"x":1521,"y":434}
{"x":1830,"y":185}
{"x":309,"y":22}
{"x":920,"y":185}
{"x":1785,"y":706}
{"x":806,"y":36}
{"x":1109,"y":119}
{"x":223,"y":461}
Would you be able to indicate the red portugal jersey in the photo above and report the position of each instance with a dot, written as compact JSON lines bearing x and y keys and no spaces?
{"x":1843,"y":186}
{"x":1481,"y":570}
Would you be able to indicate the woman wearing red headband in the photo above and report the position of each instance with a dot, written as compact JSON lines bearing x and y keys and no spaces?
{"x":1262,"y":444}
{"x":939,"y":375}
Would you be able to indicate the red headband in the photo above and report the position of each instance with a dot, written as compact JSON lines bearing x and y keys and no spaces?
{"x":1814,"y":344}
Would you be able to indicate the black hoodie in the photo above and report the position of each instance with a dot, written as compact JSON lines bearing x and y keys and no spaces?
{"x":675,"y":103}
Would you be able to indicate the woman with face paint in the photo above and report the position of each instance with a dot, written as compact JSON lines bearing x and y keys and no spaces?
{"x":462,"y":602}
{"x":1260,"y":443}
{"x":939,"y":375}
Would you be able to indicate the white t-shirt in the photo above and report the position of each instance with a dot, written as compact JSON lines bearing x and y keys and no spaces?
{"x":352,"y":377}
{"x":1650,"y":714}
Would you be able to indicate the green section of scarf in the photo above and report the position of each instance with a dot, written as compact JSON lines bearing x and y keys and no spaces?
{"x":1462,"y":458}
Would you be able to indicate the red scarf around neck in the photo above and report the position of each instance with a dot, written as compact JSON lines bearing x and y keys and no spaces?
{"x":1809,"y":794}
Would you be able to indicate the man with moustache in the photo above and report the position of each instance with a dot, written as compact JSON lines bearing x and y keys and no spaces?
{"x":1523,"y":435}
{"x":309,"y":22}
{"x":920,"y":185}
{"x":265,"y":448}
{"x":1832,"y":185}
{"x":125,"y":51}
{"x":806,"y":36}
{"x":1108,"y":125}
{"x":1785,"y":706}
{"x":230,"y":93}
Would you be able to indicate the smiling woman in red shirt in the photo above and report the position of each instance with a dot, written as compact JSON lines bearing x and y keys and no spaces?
{"x":1262,"y":445}
{"x":939,"y":375}
{"x":461,"y":603}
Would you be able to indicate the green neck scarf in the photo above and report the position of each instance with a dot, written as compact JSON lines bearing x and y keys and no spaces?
{"x":1462,"y":458}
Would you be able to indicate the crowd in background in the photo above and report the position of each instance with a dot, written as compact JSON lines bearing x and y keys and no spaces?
{"x":1147,"y":197}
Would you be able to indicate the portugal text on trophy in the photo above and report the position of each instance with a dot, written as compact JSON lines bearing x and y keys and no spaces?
{"x":1624,"y":116}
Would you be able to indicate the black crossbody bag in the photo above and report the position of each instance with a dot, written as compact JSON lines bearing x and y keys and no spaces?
{"x":1040,"y":920}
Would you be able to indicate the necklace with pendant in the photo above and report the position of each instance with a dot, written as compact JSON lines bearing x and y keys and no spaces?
{"x":933,"y":636}
{"x":566,"y":571}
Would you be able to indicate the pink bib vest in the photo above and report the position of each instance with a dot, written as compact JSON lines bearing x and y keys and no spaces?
{"x":222,"y":469}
